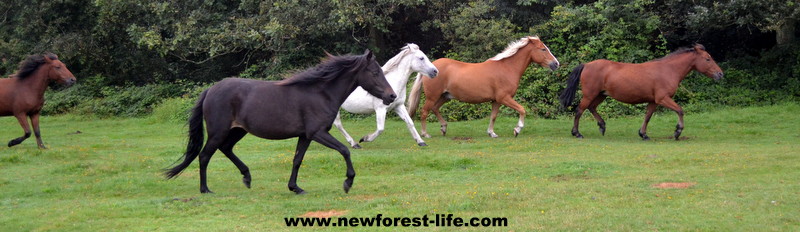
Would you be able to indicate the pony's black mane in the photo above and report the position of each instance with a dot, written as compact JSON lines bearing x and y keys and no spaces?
{"x":30,"y":64}
{"x":683,"y":50}
{"x":329,"y":69}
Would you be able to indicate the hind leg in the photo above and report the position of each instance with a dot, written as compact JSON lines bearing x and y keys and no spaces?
{"x":23,"y":121}
{"x":215,"y":139}
{"x":442,"y":122}
{"x":593,"y":108}
{"x":430,"y":105}
{"x":585,"y":102}
{"x":492,"y":117}
{"x":226,"y":148}
{"x":423,"y":117}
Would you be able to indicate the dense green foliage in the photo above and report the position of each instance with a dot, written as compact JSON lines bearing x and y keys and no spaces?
{"x":744,"y":164}
{"x":126,"y":46}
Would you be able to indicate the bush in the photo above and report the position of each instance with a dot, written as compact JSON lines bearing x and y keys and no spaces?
{"x":91,"y":97}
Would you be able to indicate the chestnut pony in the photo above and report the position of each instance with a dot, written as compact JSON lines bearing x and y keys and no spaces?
{"x":302,"y":107}
{"x":495,"y":80}
{"x":653,"y":82}
{"x":22,"y":95}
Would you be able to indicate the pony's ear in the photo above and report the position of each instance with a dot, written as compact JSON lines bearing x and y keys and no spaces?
{"x":368,"y":54}
{"x":328,"y":54}
{"x":699,"y":47}
{"x":49,"y":56}
{"x":413,"y":46}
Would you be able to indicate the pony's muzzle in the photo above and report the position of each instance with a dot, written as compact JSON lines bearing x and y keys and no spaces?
{"x":718,"y":76}
{"x":70,"y":82}
{"x":388,"y":99}
{"x":554,"y":65}
{"x":432,"y":73}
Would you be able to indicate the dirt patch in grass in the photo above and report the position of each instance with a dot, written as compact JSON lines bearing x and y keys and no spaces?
{"x":325,"y":214}
{"x":669,"y":185}
{"x":462,"y":138}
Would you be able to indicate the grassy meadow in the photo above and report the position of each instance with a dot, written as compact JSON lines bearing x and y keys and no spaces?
{"x":744,"y":165}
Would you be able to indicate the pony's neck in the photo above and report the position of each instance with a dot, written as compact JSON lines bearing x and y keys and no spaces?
{"x":37,"y":81}
{"x":683,"y":63}
{"x":519,"y":62}
{"x":397,"y":75}
{"x":339,"y":89}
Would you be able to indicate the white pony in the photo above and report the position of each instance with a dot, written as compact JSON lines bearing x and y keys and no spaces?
{"x":397,"y":71}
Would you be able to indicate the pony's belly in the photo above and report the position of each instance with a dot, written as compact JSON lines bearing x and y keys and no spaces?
{"x":468,"y":99}
{"x":359,"y":107}
{"x":274,"y":134}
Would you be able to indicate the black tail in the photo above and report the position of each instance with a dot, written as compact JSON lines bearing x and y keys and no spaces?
{"x":196,"y":138}
{"x":572,"y":86}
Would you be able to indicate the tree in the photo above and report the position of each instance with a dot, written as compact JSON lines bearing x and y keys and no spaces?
{"x":780,"y":16}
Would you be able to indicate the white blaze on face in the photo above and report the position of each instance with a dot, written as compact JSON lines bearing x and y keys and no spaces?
{"x":551,"y":54}
{"x":545,"y":46}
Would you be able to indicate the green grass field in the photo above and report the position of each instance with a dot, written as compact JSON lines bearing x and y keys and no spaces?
{"x":745,"y":165}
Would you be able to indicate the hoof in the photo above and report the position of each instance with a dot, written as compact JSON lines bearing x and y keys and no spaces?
{"x":577,"y":134}
{"x":426,"y":135}
{"x":206,"y":190}
{"x":362,"y":139}
{"x":246,"y":181}
{"x":357,"y":146}
{"x":493,"y":135}
{"x":602,"y":126}
{"x":422,"y":144}
{"x":644,"y":136}
{"x":347,"y":184}
{"x":678,"y":130}
{"x":516,"y":132}
{"x":42,"y":147}
{"x":297,"y":190}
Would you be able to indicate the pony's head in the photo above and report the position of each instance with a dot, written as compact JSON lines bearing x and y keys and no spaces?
{"x":369,"y":75}
{"x":705,"y":64}
{"x":419,"y":61}
{"x":541,"y":53}
{"x":52,"y":68}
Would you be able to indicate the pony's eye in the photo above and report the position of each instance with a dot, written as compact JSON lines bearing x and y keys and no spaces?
{"x":544,"y":49}
{"x":708,"y":59}
{"x":422,"y":58}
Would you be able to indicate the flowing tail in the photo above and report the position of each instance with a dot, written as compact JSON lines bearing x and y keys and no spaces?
{"x":568,"y":95}
{"x":414,"y":96}
{"x":196,"y":138}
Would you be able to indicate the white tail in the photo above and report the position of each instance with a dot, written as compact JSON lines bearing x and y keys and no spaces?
{"x":414,"y":96}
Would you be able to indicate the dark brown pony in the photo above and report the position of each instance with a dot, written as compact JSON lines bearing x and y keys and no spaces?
{"x":302,"y":106}
{"x":653,"y":82}
{"x":22,"y":95}
{"x":495,"y":80}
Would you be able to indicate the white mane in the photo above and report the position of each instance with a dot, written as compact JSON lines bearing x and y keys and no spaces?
{"x":394,"y":62}
{"x":513,"y":47}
